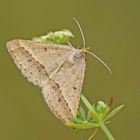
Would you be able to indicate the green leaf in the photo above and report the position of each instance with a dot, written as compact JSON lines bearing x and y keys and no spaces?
{"x":87,"y":103}
{"x":75,"y":120}
{"x":93,"y":134}
{"x":95,"y":116}
{"x":114,"y":112}
{"x":88,"y":116}
{"x":83,"y":126}
{"x":93,"y":106}
{"x":82,"y":113}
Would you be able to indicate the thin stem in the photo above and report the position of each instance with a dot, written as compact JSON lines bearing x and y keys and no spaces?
{"x":106,"y":132}
{"x":87,"y":104}
{"x":90,"y":108}
{"x":83,"y":126}
{"x":93,"y":134}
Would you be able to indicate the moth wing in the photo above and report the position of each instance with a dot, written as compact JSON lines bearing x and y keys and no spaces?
{"x":70,"y":79}
{"x":49,"y":67}
{"x":37,"y":61}
{"x":53,"y":97}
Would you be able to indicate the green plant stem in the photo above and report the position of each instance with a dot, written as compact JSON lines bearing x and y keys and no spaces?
{"x":93,"y":134}
{"x":84,"y":126}
{"x":107,"y":132}
{"x":89,"y":107}
{"x":87,"y":104}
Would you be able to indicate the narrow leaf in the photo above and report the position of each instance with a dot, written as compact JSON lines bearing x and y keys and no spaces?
{"x":88,"y":116}
{"x":114,"y":112}
{"x":75,"y":120}
{"x":83,"y":126}
{"x":93,"y":134}
{"x":82,"y":113}
{"x":87,"y":103}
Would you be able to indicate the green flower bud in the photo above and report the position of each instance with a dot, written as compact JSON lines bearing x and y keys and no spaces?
{"x":101,"y":106}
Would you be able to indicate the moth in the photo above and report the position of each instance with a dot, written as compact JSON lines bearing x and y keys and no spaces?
{"x":57,"y":68}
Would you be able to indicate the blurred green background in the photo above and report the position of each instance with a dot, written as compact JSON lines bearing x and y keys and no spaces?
{"x":111,"y":29}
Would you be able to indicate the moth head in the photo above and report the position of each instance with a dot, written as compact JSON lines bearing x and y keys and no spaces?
{"x":85,"y":50}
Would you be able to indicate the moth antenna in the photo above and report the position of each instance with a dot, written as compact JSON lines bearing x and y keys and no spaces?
{"x":84,"y":44}
{"x":81,"y":31}
{"x":100,"y":61}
